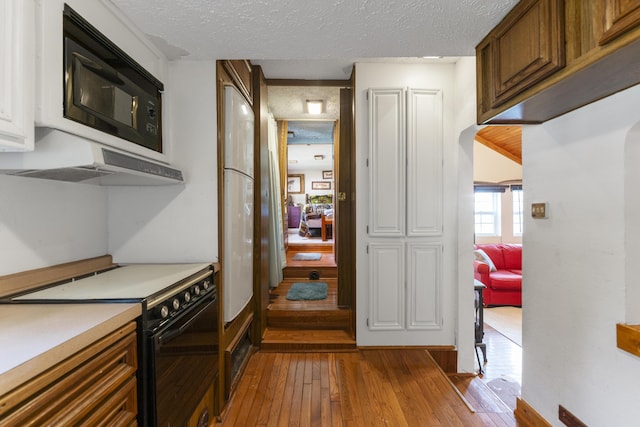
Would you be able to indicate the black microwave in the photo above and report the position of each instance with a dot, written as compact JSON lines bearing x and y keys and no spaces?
{"x":106,"y":89}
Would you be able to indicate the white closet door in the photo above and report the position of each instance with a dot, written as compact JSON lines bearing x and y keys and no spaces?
{"x":424,"y":163}
{"x":387,"y":148}
{"x":406,"y":209}
{"x":387,"y":278}
{"x":423,"y":285}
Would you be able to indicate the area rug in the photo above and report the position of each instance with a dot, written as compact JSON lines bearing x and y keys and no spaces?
{"x":307,"y":256}
{"x":506,"y":320}
{"x":308,"y":291}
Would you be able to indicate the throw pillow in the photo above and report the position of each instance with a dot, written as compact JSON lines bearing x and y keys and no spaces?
{"x":482,"y":256}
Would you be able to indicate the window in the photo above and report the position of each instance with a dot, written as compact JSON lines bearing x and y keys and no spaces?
{"x":516,"y":194}
{"x":487,"y":213}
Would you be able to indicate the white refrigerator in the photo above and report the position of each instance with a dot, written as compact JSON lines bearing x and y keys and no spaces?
{"x":238,"y":203}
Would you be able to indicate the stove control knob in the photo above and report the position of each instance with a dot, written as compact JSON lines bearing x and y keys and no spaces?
{"x":187,"y":296}
{"x":163,"y":311}
{"x":175,"y":303}
{"x":206,"y":284}
{"x":196,"y":290}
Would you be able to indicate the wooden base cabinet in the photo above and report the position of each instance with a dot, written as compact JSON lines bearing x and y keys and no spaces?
{"x":94,"y":387}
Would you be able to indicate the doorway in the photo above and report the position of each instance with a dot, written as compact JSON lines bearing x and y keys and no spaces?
{"x":310,"y":167}
{"x":498,"y":219}
{"x":310,"y":189}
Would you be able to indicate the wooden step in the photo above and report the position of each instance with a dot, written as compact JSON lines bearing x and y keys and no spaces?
{"x":292,"y":272}
{"x":309,"y":319}
{"x":300,"y":340}
{"x":310,"y":247}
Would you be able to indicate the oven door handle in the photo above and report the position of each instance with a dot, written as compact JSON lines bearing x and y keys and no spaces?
{"x":172,"y":333}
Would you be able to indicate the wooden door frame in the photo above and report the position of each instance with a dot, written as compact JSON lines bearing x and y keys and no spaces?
{"x":344,"y":175}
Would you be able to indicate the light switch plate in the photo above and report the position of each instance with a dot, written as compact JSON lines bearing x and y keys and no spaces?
{"x":538,"y":210}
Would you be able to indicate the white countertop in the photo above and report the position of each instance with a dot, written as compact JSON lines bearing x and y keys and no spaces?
{"x":34,"y":337}
{"x":134,"y":281}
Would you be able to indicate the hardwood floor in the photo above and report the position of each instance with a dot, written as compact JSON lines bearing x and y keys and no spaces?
{"x":503,"y":370}
{"x":394,"y":387}
{"x":311,"y":373}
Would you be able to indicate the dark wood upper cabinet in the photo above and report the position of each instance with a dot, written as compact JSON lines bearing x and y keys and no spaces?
{"x":524,"y":48}
{"x":621,"y":16}
{"x":549,"y":57}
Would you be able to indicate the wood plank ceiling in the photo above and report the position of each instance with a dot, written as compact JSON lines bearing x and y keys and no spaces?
{"x":506,"y":140}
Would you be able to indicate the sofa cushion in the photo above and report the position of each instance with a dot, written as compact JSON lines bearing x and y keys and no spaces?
{"x":494,"y":251}
{"x":482,"y":256}
{"x":512,"y":254}
{"x":506,"y":280}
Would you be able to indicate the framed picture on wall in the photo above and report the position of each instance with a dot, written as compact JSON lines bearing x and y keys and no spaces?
{"x":327,"y":174}
{"x":295,"y":184}
{"x":321,"y":185}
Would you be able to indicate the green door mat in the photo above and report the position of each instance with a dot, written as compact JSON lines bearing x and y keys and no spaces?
{"x":308,"y":291}
{"x":307,"y":256}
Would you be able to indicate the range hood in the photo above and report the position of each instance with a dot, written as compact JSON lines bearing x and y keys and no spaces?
{"x":62,"y":156}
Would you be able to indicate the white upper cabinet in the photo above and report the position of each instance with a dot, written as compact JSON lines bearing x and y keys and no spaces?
{"x":16,"y":75}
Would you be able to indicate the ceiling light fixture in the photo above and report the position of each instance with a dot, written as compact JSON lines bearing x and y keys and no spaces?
{"x":315,"y":106}
{"x":318,"y":157}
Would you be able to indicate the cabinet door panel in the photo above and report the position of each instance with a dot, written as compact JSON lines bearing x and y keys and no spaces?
{"x":423,"y":286}
{"x":622,"y":15}
{"x":526,"y":47}
{"x":16,"y":75}
{"x":424,"y":163}
{"x":386,"y":277}
{"x":387,"y":162}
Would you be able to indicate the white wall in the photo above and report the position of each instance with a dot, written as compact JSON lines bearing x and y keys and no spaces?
{"x":175,"y":223}
{"x":424,"y":76}
{"x":46,"y":222}
{"x":574,"y":265}
{"x":464,"y":131}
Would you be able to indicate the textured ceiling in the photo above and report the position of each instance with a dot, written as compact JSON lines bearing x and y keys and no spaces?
{"x":314,"y":39}
{"x":288,"y":102}
{"x":322,"y":38}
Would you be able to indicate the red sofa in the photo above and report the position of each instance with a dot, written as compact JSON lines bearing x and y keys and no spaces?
{"x":504,"y":284}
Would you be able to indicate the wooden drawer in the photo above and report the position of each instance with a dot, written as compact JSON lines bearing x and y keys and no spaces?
{"x":96,"y":386}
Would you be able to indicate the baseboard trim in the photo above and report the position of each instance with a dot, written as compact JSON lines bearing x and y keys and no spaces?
{"x":446,"y":356}
{"x":628,"y":338}
{"x":526,"y":416}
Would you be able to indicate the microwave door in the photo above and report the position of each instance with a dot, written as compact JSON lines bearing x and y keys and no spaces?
{"x":101,"y":97}
{"x":99,"y":90}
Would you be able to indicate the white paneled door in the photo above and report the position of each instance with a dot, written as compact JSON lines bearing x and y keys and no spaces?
{"x":405,"y":213}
